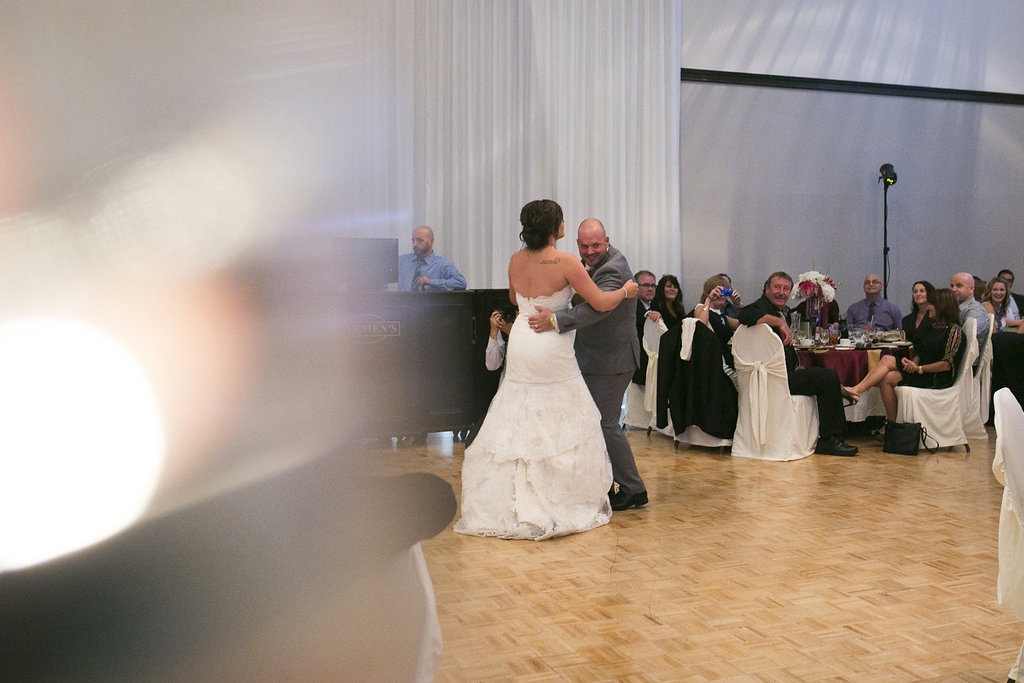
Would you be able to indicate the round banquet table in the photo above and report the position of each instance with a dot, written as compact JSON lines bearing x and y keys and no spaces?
{"x":852,"y":365}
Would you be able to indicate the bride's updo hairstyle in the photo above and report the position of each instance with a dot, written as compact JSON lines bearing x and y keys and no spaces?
{"x":540,"y":219}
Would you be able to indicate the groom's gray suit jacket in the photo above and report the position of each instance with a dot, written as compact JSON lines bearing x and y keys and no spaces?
{"x":606,"y":343}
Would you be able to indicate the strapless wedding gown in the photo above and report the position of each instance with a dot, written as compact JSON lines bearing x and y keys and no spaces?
{"x":538,"y":466}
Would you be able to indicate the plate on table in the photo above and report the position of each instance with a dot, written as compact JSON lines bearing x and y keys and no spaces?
{"x":903,"y":343}
{"x":886,"y":345}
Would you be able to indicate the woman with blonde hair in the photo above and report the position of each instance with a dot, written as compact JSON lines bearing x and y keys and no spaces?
{"x":996,"y":301}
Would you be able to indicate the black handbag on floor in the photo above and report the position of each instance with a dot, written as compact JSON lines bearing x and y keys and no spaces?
{"x":905,"y":438}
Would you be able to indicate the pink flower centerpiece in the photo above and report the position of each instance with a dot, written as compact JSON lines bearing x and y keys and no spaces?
{"x":813,"y":283}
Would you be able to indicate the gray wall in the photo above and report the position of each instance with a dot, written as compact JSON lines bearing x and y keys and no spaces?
{"x":785,"y":179}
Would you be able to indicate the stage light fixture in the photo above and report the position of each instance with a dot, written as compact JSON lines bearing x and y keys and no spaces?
{"x":888,"y":174}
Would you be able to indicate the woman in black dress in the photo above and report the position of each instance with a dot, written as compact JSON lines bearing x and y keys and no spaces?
{"x":668,"y":300}
{"x":920,"y":313}
{"x":940,"y":348}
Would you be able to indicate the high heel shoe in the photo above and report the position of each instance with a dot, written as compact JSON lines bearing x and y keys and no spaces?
{"x":849,"y":397}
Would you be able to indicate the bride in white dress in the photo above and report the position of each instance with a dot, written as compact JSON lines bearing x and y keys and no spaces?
{"x":538,"y":466}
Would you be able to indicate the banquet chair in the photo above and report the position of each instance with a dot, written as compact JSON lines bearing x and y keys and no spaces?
{"x":640,"y":400}
{"x":693,"y":434}
{"x":1008,"y":468}
{"x":939,"y":410}
{"x":870,"y":402}
{"x":772,"y":424}
{"x":634,"y":414}
{"x":970,"y":392}
{"x":869,"y":405}
{"x":983,"y":380}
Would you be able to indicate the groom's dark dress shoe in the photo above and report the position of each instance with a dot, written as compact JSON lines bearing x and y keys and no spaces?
{"x":623,"y":501}
{"x":833,"y":445}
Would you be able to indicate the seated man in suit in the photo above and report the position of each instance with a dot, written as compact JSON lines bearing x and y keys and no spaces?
{"x":881,"y":313}
{"x":822,"y":383}
{"x":645,"y":282}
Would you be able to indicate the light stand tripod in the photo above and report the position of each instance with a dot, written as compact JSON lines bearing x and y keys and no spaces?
{"x":887,"y":178}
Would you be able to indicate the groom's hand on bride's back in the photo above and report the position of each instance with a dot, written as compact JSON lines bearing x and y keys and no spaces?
{"x":541,"y":320}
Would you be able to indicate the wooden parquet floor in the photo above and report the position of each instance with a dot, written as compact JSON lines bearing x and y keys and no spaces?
{"x":873,"y":568}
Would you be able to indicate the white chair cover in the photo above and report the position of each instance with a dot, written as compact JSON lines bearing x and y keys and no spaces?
{"x":983,"y":380}
{"x":1008,"y":466}
{"x":634,"y":414}
{"x":686,"y":337}
{"x":652,"y":343}
{"x":641,"y":401}
{"x":870,"y":404}
{"x":939,"y":410}
{"x":772,"y":424}
{"x":693,"y":434}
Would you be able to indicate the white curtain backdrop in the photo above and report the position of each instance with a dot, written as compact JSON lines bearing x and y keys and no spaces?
{"x":576,"y":101}
{"x":580,"y":101}
{"x":454,"y":113}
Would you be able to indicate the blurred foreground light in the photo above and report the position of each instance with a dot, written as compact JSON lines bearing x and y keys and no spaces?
{"x":81,"y":440}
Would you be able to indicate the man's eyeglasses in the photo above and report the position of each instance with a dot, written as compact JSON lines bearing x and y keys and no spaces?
{"x":647,"y":285}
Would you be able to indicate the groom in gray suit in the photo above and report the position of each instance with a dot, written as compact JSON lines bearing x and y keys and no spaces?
{"x":608,"y":351}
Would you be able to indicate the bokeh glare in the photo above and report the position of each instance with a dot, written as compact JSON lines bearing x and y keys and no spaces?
{"x":172,"y":179}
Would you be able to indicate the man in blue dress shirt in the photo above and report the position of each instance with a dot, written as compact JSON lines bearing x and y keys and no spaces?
{"x":881,"y":313}
{"x":962,"y":285}
{"x":425,"y":271}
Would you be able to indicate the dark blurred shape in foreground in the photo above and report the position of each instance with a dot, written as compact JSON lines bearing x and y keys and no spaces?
{"x":310,"y":575}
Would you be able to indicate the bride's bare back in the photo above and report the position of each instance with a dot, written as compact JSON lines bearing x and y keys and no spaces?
{"x":542,"y":272}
